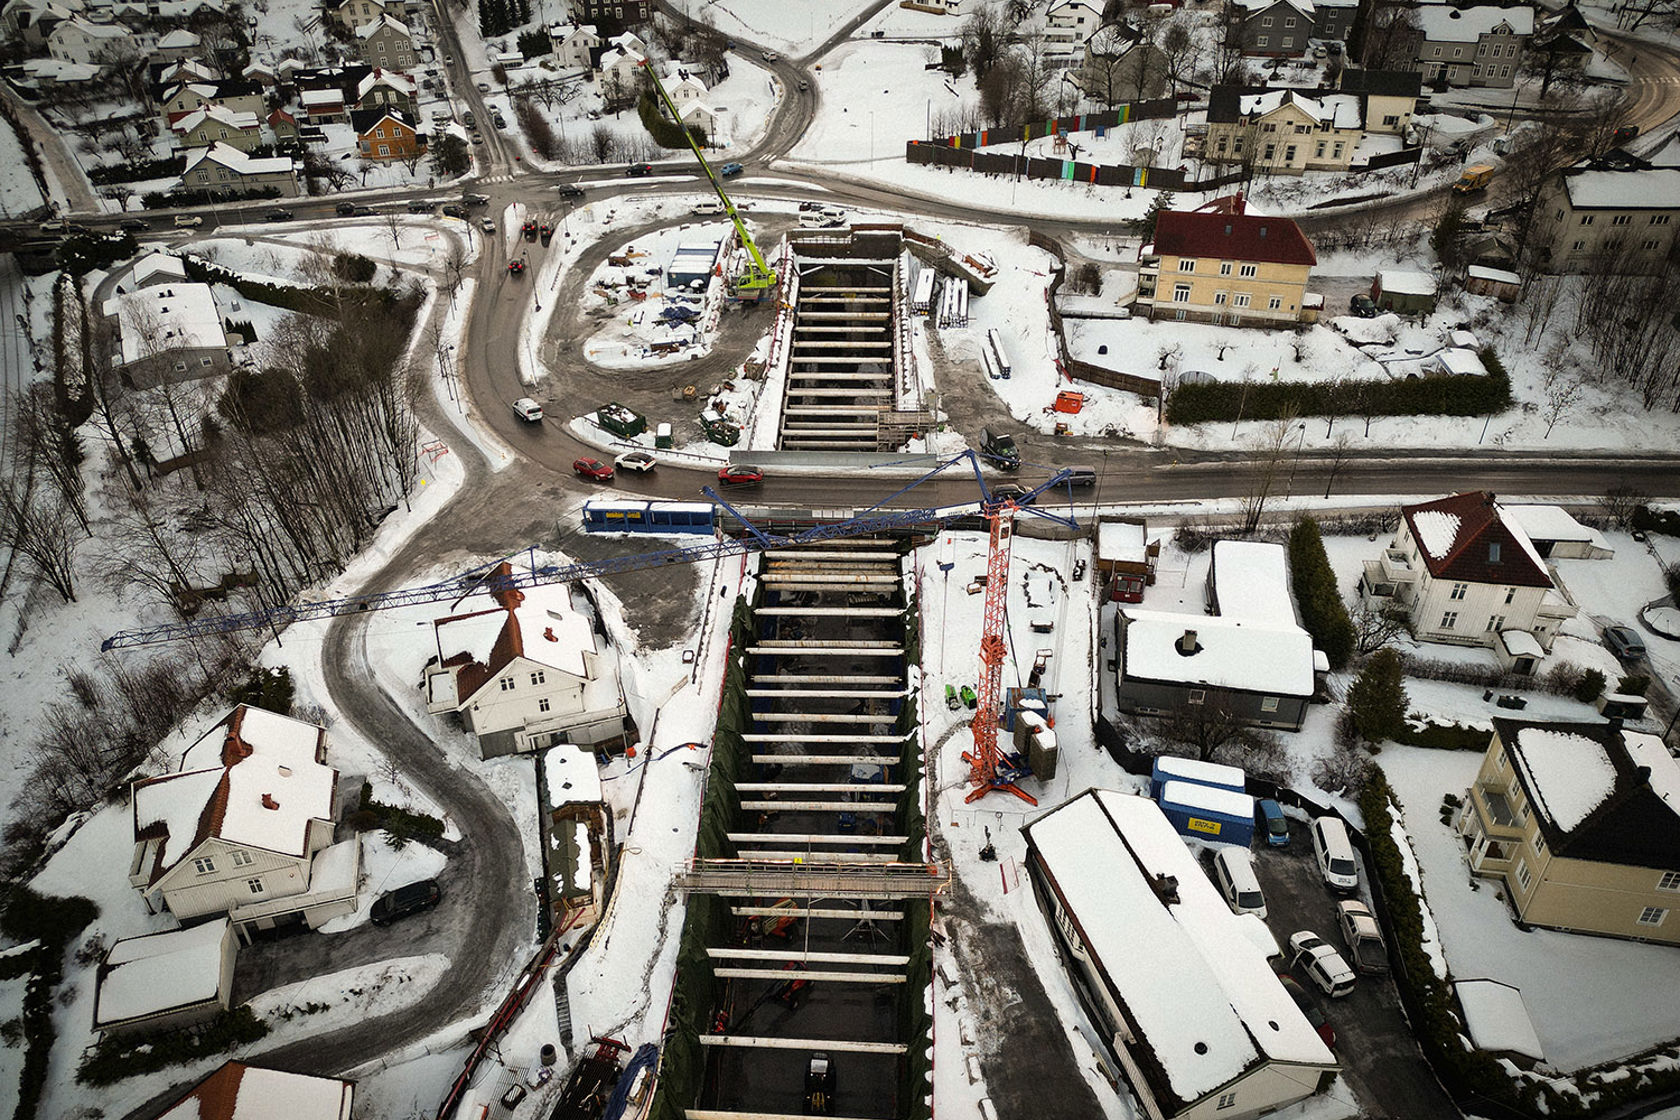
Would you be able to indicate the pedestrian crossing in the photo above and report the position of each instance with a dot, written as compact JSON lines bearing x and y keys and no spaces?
{"x":508,"y":177}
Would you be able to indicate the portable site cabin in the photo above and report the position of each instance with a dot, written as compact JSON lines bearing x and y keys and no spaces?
{"x":1125,"y":559}
{"x":1169,"y":768}
{"x":1224,"y":816}
{"x":693,"y":264}
{"x":1404,"y":291}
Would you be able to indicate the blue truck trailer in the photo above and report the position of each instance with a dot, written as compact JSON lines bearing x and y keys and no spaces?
{"x":1223,"y":816}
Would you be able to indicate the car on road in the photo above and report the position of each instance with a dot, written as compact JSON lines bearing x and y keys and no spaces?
{"x":809,"y":207}
{"x":488,"y":225}
{"x":1317,"y":960}
{"x":516,"y":268}
{"x":1000,"y":450}
{"x":420,"y":205}
{"x":135,"y":224}
{"x":527,"y":409}
{"x":592,"y":469}
{"x":52,"y":225}
{"x":569,"y":190}
{"x":475,"y":199}
{"x":529,"y":231}
{"x":404,"y":901}
{"x":449,"y":60}
{"x":740,"y":474}
{"x":345,"y":209}
{"x":1309,"y":1009}
{"x":639,"y":170}
{"x":278,"y":214}
{"x":771,"y":56}
{"x":454,"y":210}
{"x":804,"y":85}
{"x":364,"y":212}
{"x":730,"y":170}
{"x":477,"y":139}
{"x":188,"y":221}
{"x":1362,"y":936}
{"x":638,"y":461}
{"x":1080,"y":478}
{"x":1011,"y":492}
{"x":1624,"y":643}
{"x":1362,"y":305}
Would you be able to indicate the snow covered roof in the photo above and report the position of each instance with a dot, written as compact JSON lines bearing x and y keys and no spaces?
{"x":1520,"y":643}
{"x":402,"y":83}
{"x":1341,"y":110}
{"x":1498,"y":1018}
{"x":572,"y":775}
{"x":1495,"y":275}
{"x":255,"y":779}
{"x":1443,"y":24}
{"x":1569,"y":775}
{"x":241,"y":1092}
{"x":1457,"y":362}
{"x":1305,"y":7}
{"x":166,"y":317}
{"x":58,"y":70}
{"x":1250,"y":581}
{"x":1122,"y":541}
{"x":217,"y":114}
{"x":1467,"y":537}
{"x":107,"y":31}
{"x":1233,"y":653}
{"x":1655,"y":189}
{"x":237,"y":161}
{"x":489,"y":630}
{"x":187,"y":69}
{"x":1196,"y":770}
{"x":160,"y":972}
{"x":178,"y":39}
{"x":158,"y":266}
{"x":311,"y":98}
{"x":1215,"y":799}
{"x":1406,"y":281}
{"x":1552,"y":523}
{"x":1240,"y":237}
{"x":1204,"y":1002}
{"x":373,"y":27}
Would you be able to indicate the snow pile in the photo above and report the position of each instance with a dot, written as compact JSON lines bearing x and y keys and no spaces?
{"x":1569,"y":775}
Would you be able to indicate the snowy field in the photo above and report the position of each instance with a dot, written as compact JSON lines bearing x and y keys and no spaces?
{"x":19,"y":193}
{"x":776,"y":24}
{"x":1592,"y":999}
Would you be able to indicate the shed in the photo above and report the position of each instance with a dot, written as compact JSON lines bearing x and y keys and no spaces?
{"x":1484,"y":280}
{"x":1260,"y":674}
{"x":163,"y":981}
{"x":1404,"y":291}
{"x":1455,"y":361}
{"x":1557,"y":535}
{"x":1497,"y":1019}
{"x":1125,"y":558}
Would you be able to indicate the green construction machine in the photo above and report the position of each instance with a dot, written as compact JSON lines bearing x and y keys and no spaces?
{"x":757,"y":278}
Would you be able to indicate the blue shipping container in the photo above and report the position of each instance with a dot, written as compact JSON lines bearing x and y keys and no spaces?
{"x":1170,"y":769}
{"x":1222,"y":816}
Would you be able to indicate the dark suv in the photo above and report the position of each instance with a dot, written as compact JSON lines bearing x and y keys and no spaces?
{"x":404,"y":901}
{"x":1000,"y":450}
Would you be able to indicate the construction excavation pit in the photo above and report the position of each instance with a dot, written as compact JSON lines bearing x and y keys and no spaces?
{"x":804,"y":958}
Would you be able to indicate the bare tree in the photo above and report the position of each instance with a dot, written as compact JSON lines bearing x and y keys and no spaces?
{"x":1264,"y":467}
{"x":1339,"y":450}
{"x":42,"y":531}
{"x":983,"y":40}
{"x":1374,"y":629}
{"x":1560,"y":384}
{"x":392,"y":221}
{"x":1622,"y":503}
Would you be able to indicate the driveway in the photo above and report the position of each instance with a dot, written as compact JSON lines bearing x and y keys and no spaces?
{"x":1380,"y":1058}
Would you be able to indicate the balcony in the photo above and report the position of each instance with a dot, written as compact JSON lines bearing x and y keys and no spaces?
{"x":1495,"y":811}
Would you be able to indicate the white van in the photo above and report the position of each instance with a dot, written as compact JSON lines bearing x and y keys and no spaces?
{"x":709,"y":208}
{"x":1334,"y":853}
{"x":1233,"y":874}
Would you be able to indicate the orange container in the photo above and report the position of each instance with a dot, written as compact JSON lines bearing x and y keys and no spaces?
{"x":1068,"y":401}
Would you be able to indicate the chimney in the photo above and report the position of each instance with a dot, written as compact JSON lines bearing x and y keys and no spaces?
{"x":268,"y":802}
{"x":1240,"y":205}
{"x":1186,"y":644}
{"x":1166,"y":889}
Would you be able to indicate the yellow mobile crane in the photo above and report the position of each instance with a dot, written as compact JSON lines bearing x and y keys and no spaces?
{"x":758,"y":277}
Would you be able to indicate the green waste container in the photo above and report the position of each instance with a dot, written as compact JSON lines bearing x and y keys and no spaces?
{"x":662,"y":438}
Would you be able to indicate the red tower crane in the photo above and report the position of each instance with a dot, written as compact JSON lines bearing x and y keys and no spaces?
{"x":988,"y":769}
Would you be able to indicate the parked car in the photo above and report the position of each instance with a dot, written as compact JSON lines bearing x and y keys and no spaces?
{"x":52,"y":225}
{"x":1317,"y":960}
{"x":1080,"y":478}
{"x":568,"y":190}
{"x":1270,"y":822}
{"x":1362,"y":305}
{"x":810,"y":206}
{"x":188,"y":221}
{"x":639,"y":461}
{"x":1334,"y":853}
{"x":468,"y":119}
{"x":771,"y":56}
{"x":278,"y":214}
{"x":527,"y":409}
{"x":404,"y":901}
{"x":499,"y":121}
{"x":592,"y":469}
{"x":730,"y":170}
{"x":1233,"y":874}
{"x":419,"y":206}
{"x":1309,"y":1009}
{"x":1624,"y":643}
{"x":638,"y":170}
{"x":475,"y":200}
{"x":740,"y":474}
{"x":345,"y":209}
{"x":483,"y":87}
{"x":1362,"y":936}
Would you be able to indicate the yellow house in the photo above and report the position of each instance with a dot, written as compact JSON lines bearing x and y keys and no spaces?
{"x":1581,"y":823}
{"x":1283,"y":131}
{"x":1232,"y":268}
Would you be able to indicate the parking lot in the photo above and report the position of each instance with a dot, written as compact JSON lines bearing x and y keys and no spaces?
{"x":1380,"y":1059}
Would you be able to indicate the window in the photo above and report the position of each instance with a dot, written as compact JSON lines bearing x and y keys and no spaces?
{"x":204,"y":865}
{"x":1458,"y":591}
{"x":1187,"y":264}
{"x":1318,"y":151}
{"x":180,"y":367}
{"x":1391,"y":119}
{"x":1289,"y":41}
{"x":1495,"y":622}
{"x":384,"y":149}
{"x":1227,"y":1100}
{"x":1524,"y":876}
{"x":1621,"y":219}
{"x":1268,"y":703}
{"x":1181,"y":293}
{"x":1652,"y":916}
{"x":506,"y":684}
{"x":1499,"y":763}
{"x":241,"y":858}
{"x":1504,"y":71}
{"x":1265,"y":21}
{"x":1586,"y":219}
{"x":1458,"y":52}
{"x":379,"y":133}
{"x":205,"y":361}
{"x":1337,"y":153}
{"x":1196,"y":696}
{"x":254,"y":886}
{"x":1224,"y":268}
{"x":1289,"y":21}
{"x":1249,"y":271}
{"x":1241,"y":300}
{"x":1660,"y":219}
{"x":1578,"y":246}
{"x":1219,"y":298}
{"x":1539,"y":844}
{"x":538,"y":677}
{"x":1670,"y":881}
{"x":1271,"y":153}
{"x":1649,"y":244}
{"x":1180,"y":315}
{"x":542,"y":704}
{"x":1449,"y":620}
{"x":1275,"y":303}
{"x":1289,"y":154}
{"x":1262,"y":40}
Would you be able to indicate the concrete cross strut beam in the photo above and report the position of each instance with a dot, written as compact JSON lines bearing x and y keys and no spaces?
{"x":821,"y":717}
{"x":816,"y":787}
{"x":826,"y":878}
{"x":832,"y":1045}
{"x":826,"y":759}
{"x":814,"y":838}
{"x":816,"y":912}
{"x":804,"y":956}
{"x":819,"y":807}
{"x":715,"y":1114}
{"x":851,"y":858}
{"x":810,"y":974}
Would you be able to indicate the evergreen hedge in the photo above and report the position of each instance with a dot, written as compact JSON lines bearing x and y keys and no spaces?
{"x":1323,"y":613}
{"x":1210,"y":401}
{"x":115,"y":1058}
{"x":53,"y":922}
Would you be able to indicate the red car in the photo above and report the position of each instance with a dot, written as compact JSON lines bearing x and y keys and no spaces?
{"x":516,"y":267}
{"x":740,"y":474}
{"x":592,"y":469}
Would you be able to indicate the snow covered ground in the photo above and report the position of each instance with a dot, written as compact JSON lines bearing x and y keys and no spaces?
{"x":19,"y":193}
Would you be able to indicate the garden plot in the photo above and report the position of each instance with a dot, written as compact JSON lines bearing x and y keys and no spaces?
{"x":1592,"y":999}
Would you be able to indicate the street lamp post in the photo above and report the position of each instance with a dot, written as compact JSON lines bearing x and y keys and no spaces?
{"x":1301,"y":430}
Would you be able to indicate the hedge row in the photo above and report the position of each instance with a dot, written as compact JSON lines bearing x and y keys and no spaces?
{"x":402,"y":824}
{"x":115,"y":1058}
{"x":1208,"y":401}
{"x":1663,"y":521}
{"x":126,"y":172}
{"x":53,"y":922}
{"x":162,"y":200}
{"x":310,"y":300}
{"x":30,"y":155}
{"x":1322,"y":611}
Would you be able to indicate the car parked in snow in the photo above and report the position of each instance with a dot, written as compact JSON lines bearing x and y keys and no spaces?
{"x":1233,"y":874}
{"x":1317,"y":960}
{"x":403,"y":901}
{"x":1362,"y":936}
{"x":1334,"y":853}
{"x":1624,"y":643}
{"x":1309,"y":1009}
